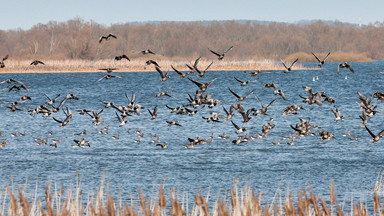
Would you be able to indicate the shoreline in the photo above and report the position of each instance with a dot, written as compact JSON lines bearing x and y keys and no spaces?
{"x":89,"y":66}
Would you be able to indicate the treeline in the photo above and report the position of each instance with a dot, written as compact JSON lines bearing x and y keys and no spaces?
{"x":79,"y":39}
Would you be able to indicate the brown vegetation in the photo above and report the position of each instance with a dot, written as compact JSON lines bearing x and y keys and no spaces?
{"x":240,"y":202}
{"x":79,"y":39}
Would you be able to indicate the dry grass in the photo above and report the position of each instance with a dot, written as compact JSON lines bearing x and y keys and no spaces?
{"x":240,"y":202}
{"x":137,"y":65}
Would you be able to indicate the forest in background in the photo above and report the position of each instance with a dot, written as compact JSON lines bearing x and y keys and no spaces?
{"x":79,"y":39}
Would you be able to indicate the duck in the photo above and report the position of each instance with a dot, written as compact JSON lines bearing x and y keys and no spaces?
{"x":164,"y":76}
{"x":154,"y":113}
{"x":108,"y":76}
{"x":120,"y":57}
{"x":220,"y":55}
{"x":122,"y":120}
{"x":147,"y":51}
{"x":337,"y":114}
{"x":203,"y":86}
{"x":202,"y":73}
{"x":116,"y":137}
{"x":171,"y":123}
{"x":2,"y":64}
{"x":238,"y":128}
{"x":181,"y":74}
{"x":109,"y":69}
{"x":244,"y":83}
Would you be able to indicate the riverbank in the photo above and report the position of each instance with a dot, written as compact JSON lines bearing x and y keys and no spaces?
{"x":138,"y":65}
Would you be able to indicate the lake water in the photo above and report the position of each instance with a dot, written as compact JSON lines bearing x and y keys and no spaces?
{"x":126,"y":165}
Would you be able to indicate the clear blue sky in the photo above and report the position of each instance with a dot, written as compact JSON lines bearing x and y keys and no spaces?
{"x":26,"y":13}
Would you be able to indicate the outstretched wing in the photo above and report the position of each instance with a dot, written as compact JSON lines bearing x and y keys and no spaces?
{"x":160,"y":71}
{"x":370,"y":132}
{"x":234,"y":93}
{"x":228,"y":49}
{"x":316,"y":58}
{"x":294,"y":62}
{"x":214,"y":52}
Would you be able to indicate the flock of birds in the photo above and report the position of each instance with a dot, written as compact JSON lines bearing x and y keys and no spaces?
{"x":196,"y":102}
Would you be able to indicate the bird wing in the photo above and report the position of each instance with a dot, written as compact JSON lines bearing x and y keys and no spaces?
{"x":271,"y":102}
{"x":208,"y":66}
{"x":196,"y":62}
{"x":370,"y":132}
{"x":327,"y":56}
{"x":160,"y":71}
{"x":214,"y":52}
{"x":101,"y":78}
{"x":350,"y":68}
{"x":112,"y":35}
{"x":199,"y":84}
{"x":294,"y":62}
{"x":177,"y":71}
{"x":228,"y":49}
{"x":284,"y":65}
{"x":210,"y":82}
{"x":234,"y":93}
{"x":239,"y":80}
{"x":5,"y":58}
{"x":236,"y":126}
{"x":316,"y":58}
{"x":259,"y":101}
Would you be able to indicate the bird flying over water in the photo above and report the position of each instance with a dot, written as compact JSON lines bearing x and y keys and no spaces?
{"x":220,"y":55}
{"x":288,"y":69}
{"x":321,"y":62}
{"x":345,"y":65}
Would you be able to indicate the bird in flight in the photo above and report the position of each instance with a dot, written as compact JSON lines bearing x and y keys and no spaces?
{"x":2,"y":65}
{"x":288,"y":69}
{"x":321,"y":62}
{"x":107,"y":37}
{"x":345,"y":65}
{"x":220,"y":55}
{"x":36,"y":62}
{"x":118,"y":58}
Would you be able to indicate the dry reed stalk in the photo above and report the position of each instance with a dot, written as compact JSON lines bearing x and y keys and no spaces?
{"x":339,"y":211}
{"x":376,"y":203}
{"x":24,"y":202}
{"x":162,"y":199}
{"x":13,"y":204}
{"x":176,"y":206}
{"x":324,"y":207}
{"x":111,"y":206}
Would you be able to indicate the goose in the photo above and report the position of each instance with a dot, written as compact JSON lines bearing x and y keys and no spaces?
{"x":79,"y":143}
{"x":147,"y":51}
{"x":266,"y":128}
{"x":108,"y":70}
{"x":122,"y":120}
{"x":51,"y":101}
{"x":110,"y":35}
{"x":194,"y":66}
{"x":118,"y":58}
{"x":275,"y":90}
{"x":170,"y":123}
{"x":239,"y":98}
{"x":84,"y":132}
{"x":149,"y":62}
{"x":229,"y":114}
{"x":18,"y":87}
{"x":181,"y":74}
{"x":164,"y":76}
{"x":157,"y":140}
{"x":375,"y":137}
{"x":203,"y":86}
{"x":345,"y":65}
{"x":55,"y":141}
{"x":321,"y":62}
{"x":288,"y":69}
{"x":108,"y":76}
{"x":276,"y":143}
{"x":220,"y":55}
{"x":2,"y":65}
{"x":116,"y":137}
{"x":164,"y":93}
{"x":244,"y":83}
{"x":154,"y":113}
{"x":238,"y":128}
{"x":202,"y":73}
{"x":36,"y":62}
{"x":337,"y":114}
{"x":263,"y":110}
{"x":68,"y":115}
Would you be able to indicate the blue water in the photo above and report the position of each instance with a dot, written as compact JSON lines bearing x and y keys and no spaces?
{"x":126,"y":165}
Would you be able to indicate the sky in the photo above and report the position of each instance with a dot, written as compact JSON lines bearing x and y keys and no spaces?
{"x":25,"y":14}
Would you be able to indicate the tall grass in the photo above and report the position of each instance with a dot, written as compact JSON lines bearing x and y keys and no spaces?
{"x":244,"y":201}
{"x":137,"y":65}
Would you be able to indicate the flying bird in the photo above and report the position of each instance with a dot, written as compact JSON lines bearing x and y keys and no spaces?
{"x":321,"y":62}
{"x":110,"y":35}
{"x":118,"y":58}
{"x":164,"y":76}
{"x":147,"y":51}
{"x":220,"y":55}
{"x":345,"y":65}
{"x":36,"y":62}
{"x":2,"y":65}
{"x":288,"y":69}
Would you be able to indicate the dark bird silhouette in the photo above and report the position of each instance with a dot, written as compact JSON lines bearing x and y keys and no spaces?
{"x":149,"y":62}
{"x":220,"y":55}
{"x":164,"y":76}
{"x":2,"y":65}
{"x":288,"y":69}
{"x":108,"y":76}
{"x":154,"y":113}
{"x":170,"y":123}
{"x":238,"y":128}
{"x":203,"y":86}
{"x":109,"y":36}
{"x":118,"y":58}
{"x":345,"y":65}
{"x":244,"y":83}
{"x":109,"y":70}
{"x":375,"y":137}
{"x":202,"y":73}
{"x":263,"y":110}
{"x":239,"y":98}
{"x":36,"y":62}
{"x":182,"y":75}
{"x":18,"y":88}
{"x":321,"y":62}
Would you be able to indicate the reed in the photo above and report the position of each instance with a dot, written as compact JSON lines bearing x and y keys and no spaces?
{"x":243,"y":201}
{"x":138,"y":65}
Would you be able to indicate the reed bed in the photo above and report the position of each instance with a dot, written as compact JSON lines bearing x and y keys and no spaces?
{"x":244,"y":201}
{"x":138,"y":65}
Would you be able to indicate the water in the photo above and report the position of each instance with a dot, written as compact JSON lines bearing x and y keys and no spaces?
{"x":126,"y":165}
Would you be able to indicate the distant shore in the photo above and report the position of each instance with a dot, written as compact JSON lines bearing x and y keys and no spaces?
{"x":84,"y":66}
